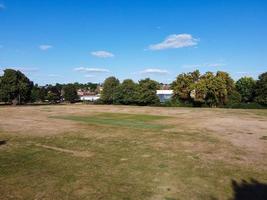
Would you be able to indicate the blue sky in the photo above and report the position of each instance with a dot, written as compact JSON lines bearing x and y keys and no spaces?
{"x":86,"y":41}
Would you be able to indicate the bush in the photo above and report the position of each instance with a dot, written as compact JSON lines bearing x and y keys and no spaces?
{"x":175,"y":103}
{"x":246,"y":106}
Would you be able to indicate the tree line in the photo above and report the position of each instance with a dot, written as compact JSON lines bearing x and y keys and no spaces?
{"x":16,"y":88}
{"x":189,"y":89}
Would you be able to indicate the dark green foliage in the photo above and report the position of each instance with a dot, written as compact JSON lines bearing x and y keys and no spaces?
{"x":91,"y":86}
{"x":127,"y":93}
{"x":130,"y":93}
{"x":234,"y":98}
{"x":147,"y":92}
{"x":246,"y":87}
{"x":109,"y":90}
{"x":261,"y":89}
{"x":53,"y":94}
{"x":35,"y":93}
{"x":70,"y":93}
{"x":245,"y":106}
{"x":15,"y":87}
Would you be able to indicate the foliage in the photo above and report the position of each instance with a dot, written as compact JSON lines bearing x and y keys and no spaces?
{"x":109,"y":90}
{"x":246,"y":87}
{"x":182,"y":86}
{"x":189,"y":89}
{"x":70,"y":93}
{"x":127,"y":93}
{"x":234,"y":98}
{"x":53,"y":93}
{"x":261,"y":89}
{"x":15,"y":87}
{"x":245,"y":106}
{"x":147,"y":92}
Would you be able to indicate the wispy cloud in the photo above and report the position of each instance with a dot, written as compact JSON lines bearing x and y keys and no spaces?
{"x":102,"y":54}
{"x":175,"y":41}
{"x":249,"y":72}
{"x":2,"y":6}
{"x":92,"y":70}
{"x":45,"y":47}
{"x":154,"y":71}
{"x":193,"y":66}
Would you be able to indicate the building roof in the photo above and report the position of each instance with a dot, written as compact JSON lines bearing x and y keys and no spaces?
{"x":164,"y":91}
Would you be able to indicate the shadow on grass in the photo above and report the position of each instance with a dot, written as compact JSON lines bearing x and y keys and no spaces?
{"x":3,"y":142}
{"x":248,"y":190}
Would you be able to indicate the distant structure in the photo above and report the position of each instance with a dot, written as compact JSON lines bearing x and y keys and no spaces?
{"x":164,"y":95}
{"x":88,"y":95}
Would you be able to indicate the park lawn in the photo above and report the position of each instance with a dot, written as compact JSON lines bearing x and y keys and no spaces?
{"x":135,"y":121}
{"x":123,"y":156}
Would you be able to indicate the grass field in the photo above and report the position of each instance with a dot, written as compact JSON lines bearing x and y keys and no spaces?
{"x":121,"y":152}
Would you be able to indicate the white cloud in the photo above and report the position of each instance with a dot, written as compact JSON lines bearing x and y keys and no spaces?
{"x":154,"y":71}
{"x":45,"y":47}
{"x":175,"y":41}
{"x":203,"y":65}
{"x":102,"y":54}
{"x":92,"y":70}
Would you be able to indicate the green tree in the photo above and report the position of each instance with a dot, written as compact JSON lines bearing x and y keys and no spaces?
{"x":183,"y":85}
{"x":53,"y":94}
{"x":127,"y":92}
{"x":261,"y":89}
{"x":15,"y":87}
{"x":246,"y":87}
{"x":35,"y":93}
{"x":147,"y":92}
{"x":109,"y":90}
{"x":70,"y":93}
{"x":229,"y":82}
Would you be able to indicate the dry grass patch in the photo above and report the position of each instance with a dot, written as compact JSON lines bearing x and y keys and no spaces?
{"x":128,"y":152}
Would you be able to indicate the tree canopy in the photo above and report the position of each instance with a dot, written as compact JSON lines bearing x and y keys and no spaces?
{"x":15,"y":87}
{"x":70,"y":93}
{"x":109,"y":90}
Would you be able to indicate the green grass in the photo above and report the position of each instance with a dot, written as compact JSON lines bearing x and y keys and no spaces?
{"x":127,"y":167}
{"x":143,"y":162}
{"x":121,"y":119}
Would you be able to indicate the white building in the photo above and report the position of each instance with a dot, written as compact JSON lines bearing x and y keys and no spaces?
{"x":89,"y":97}
{"x":164,"y":95}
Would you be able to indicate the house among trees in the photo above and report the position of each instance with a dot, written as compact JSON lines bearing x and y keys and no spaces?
{"x":89,"y":95}
{"x":164,"y":95}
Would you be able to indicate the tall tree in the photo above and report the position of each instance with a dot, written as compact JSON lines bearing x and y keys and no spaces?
{"x":261,"y":89}
{"x":147,"y":92}
{"x":126,"y":92}
{"x":70,"y":93}
{"x":15,"y":87}
{"x":183,"y":84}
{"x":246,"y":87}
{"x":53,"y":93}
{"x":109,"y":89}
